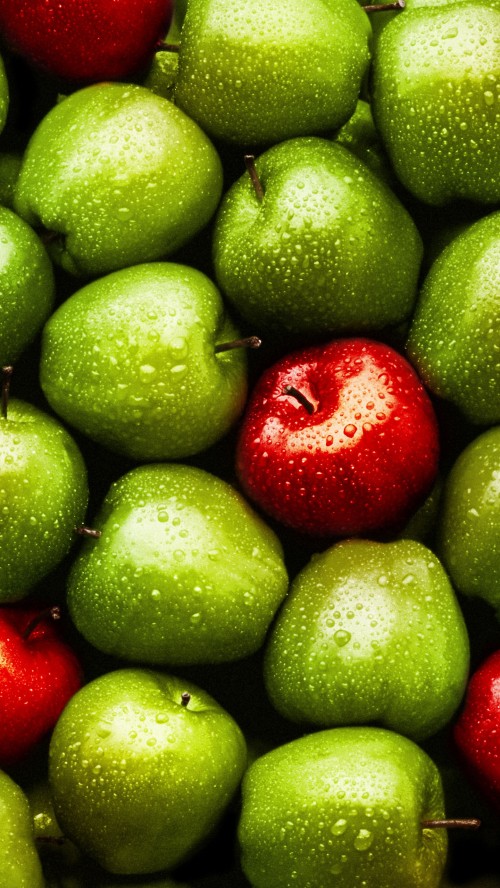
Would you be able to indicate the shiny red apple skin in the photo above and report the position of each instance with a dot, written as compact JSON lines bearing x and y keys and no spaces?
{"x":85,"y":40}
{"x":363,"y":461}
{"x":38,"y":675}
{"x":476,"y":732}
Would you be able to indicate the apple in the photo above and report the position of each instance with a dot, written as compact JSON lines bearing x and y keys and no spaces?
{"x":371,"y":632}
{"x":85,"y":40}
{"x":20,"y":865}
{"x":434,"y":98}
{"x":142,"y":766}
{"x":455,"y":331}
{"x":10,"y":165}
{"x":119,"y":175}
{"x":136,"y":360}
{"x":468,"y":519}
{"x":27,"y":287}
{"x":338,"y":439}
{"x":344,"y":807}
{"x":327,"y":249}
{"x":4,"y":95}
{"x":260,"y":71}
{"x":39,"y":673}
{"x":43,"y":496}
{"x":184,"y":570}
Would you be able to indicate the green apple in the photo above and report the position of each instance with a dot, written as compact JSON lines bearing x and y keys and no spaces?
{"x":10,"y":165}
{"x":43,"y":496}
{"x":343,"y":807}
{"x":370,"y":632}
{"x":141,"y":766}
{"x":20,"y":865}
{"x":469,"y":517}
{"x":27,"y":286}
{"x":184,"y":570}
{"x":455,"y":332}
{"x":435,"y":99}
{"x":120,"y":176}
{"x":360,"y":136}
{"x":328,"y":249}
{"x":131,"y":361}
{"x":260,"y":71}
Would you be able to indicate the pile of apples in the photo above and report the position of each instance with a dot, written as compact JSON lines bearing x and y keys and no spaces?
{"x":249,"y":444}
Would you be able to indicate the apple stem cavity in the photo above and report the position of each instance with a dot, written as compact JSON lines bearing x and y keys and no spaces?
{"x":7,"y":372}
{"x":254,"y":176}
{"x":300,"y":397}
{"x":385,"y":7}
{"x":185,"y":698}
{"x":52,"y":613}
{"x":452,"y":823}
{"x":247,"y":342}
{"x":89,"y":532}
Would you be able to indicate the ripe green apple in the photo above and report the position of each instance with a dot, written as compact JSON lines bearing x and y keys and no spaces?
{"x":119,"y":175}
{"x":435,"y":99}
{"x":141,"y":766}
{"x":370,"y":632}
{"x":260,"y":71}
{"x":184,"y":570}
{"x":343,"y":807}
{"x":469,"y":517}
{"x":455,"y":332}
{"x":360,"y":136}
{"x":328,"y":249}
{"x":43,"y":496}
{"x":10,"y":165}
{"x":131,"y":361}
{"x":27,"y":287}
{"x":20,"y":865}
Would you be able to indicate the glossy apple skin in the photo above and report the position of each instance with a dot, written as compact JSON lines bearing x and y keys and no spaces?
{"x":38,"y":675}
{"x":364,"y":460}
{"x":20,"y":865}
{"x":343,"y":807}
{"x":477,"y":730}
{"x":138,"y":778}
{"x":85,"y":40}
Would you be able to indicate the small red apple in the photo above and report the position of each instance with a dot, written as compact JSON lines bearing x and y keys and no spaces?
{"x":339,"y":439}
{"x":39,"y":672}
{"x":477,"y":730}
{"x":85,"y":40}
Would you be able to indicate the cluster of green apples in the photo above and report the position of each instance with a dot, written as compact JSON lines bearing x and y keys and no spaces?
{"x":261,"y":706}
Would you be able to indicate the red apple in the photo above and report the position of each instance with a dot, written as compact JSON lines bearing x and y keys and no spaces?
{"x":39,"y":672}
{"x":85,"y":40}
{"x":477,"y":730}
{"x":339,"y":439}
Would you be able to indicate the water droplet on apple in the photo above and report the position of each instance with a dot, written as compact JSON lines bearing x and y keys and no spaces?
{"x":156,"y":594}
{"x":363,"y":840}
{"x":195,"y":619}
{"x":341,"y":637}
{"x":339,"y":827}
{"x":350,"y":430}
{"x":162,"y":516}
{"x":329,"y":440}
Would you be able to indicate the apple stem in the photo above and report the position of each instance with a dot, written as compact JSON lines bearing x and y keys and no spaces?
{"x":299,"y":396}
{"x":247,"y":342}
{"x":90,"y":532}
{"x":163,"y":46}
{"x":385,"y":7}
{"x":185,"y":698}
{"x":7,"y":372}
{"x":452,"y":823}
{"x":252,"y":172}
{"x":53,"y":613}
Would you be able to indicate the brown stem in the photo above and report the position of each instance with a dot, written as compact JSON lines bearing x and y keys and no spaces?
{"x":163,"y":46}
{"x":52,"y":613}
{"x":248,"y":342}
{"x":185,"y":698}
{"x":7,"y":372}
{"x":452,"y":823}
{"x":385,"y":7}
{"x":254,"y":176}
{"x":90,"y":532}
{"x":299,"y":396}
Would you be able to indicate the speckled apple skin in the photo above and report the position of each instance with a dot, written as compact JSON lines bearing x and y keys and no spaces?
{"x":38,"y":675}
{"x":85,"y":40}
{"x":364,"y":460}
{"x":477,"y":730}
{"x":370,"y":632}
{"x":20,"y":863}
{"x":343,"y":807}
{"x":138,"y":779}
